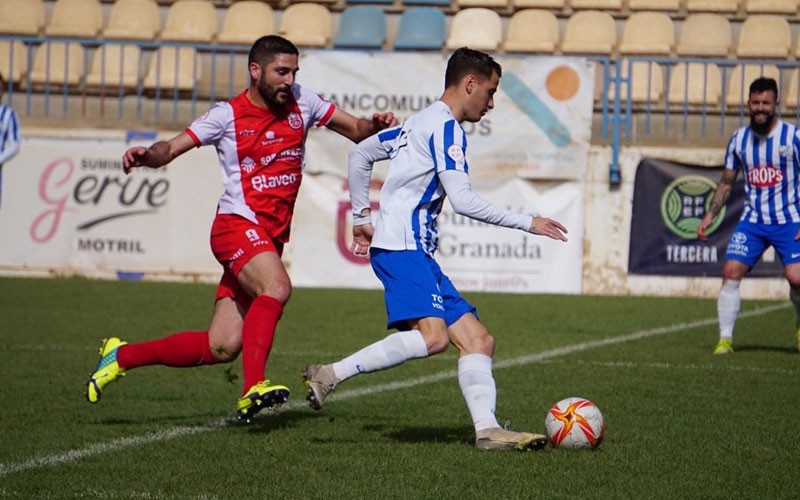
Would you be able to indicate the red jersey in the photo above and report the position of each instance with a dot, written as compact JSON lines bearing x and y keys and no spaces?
{"x":261,"y":154}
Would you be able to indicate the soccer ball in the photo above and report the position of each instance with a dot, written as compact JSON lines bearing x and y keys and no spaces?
{"x":575,"y":423}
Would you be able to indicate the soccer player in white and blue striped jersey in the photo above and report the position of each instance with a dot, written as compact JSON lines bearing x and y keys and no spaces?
{"x":9,"y":130}
{"x":768,"y":153}
{"x":428,"y":163}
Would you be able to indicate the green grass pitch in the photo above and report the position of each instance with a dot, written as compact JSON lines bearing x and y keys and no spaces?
{"x":680,"y":422}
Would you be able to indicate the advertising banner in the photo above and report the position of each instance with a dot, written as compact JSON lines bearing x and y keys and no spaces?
{"x":476,"y":256}
{"x":540,"y":126}
{"x":669,"y":201}
{"x":68,"y":206}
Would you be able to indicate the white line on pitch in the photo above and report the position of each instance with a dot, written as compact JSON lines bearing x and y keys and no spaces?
{"x":175,"y":432}
{"x":673,"y":366}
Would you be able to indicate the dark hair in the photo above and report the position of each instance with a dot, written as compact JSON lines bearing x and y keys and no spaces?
{"x":764,"y":84}
{"x":466,"y":61}
{"x":2,"y":81}
{"x":267,"y":47}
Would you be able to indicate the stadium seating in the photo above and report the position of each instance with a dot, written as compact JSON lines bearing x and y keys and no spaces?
{"x":764,"y":35}
{"x":596,"y":4}
{"x":646,"y":82}
{"x":490,"y":4}
{"x":75,"y":18}
{"x":667,"y":5}
{"x":13,"y":60}
{"x":58,"y":63}
{"x":21,"y":18}
{"x":173,"y":68}
{"x":589,"y":32}
{"x":421,"y":28}
{"x":477,"y":28}
{"x":648,"y":33}
{"x":771,"y":6}
{"x":223,"y":77}
{"x":539,"y":4}
{"x":740,"y":77}
{"x":437,"y":3}
{"x":115,"y":66}
{"x":361,"y":26}
{"x":730,"y":6}
{"x":377,"y":2}
{"x":705,"y":34}
{"x":532,"y":30}
{"x":190,"y":21}
{"x":133,"y":20}
{"x":306,"y":24}
{"x":246,"y":21}
{"x":791,"y":97}
{"x":695,"y":84}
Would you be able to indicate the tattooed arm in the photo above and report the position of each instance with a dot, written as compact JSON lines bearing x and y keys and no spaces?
{"x":721,"y":196}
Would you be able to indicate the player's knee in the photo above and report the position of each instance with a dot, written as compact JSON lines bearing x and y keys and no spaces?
{"x":478,"y":344}
{"x":280,"y":290}
{"x":223,"y":353}
{"x":733,"y":270}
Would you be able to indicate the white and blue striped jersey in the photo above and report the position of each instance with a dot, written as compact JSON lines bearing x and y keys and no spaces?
{"x":427,"y":162}
{"x":9,"y":133}
{"x":771,"y":167}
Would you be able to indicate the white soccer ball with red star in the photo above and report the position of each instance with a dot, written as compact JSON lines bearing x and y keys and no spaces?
{"x":575,"y":423}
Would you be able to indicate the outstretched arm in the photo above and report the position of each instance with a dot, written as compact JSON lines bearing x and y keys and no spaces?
{"x":465,"y":202}
{"x":158,"y":154}
{"x":358,"y":129}
{"x":719,"y":200}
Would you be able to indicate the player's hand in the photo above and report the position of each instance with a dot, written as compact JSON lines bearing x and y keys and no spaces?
{"x":384,"y":120}
{"x":548,"y":227}
{"x":701,"y":228}
{"x":134,"y":157}
{"x":362,"y":237}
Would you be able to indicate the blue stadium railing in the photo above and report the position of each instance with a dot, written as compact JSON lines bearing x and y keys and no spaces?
{"x":616,"y":109}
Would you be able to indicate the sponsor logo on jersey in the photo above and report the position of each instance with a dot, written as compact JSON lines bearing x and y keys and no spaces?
{"x":764,"y":176}
{"x":248,"y":164}
{"x":286,"y":153}
{"x":270,"y":138}
{"x":295,"y":121}
{"x":248,"y":132}
{"x":262,"y":182}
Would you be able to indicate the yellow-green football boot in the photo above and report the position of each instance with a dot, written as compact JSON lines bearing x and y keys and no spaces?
{"x":107,"y":371}
{"x":724,"y":346}
{"x":261,"y":396}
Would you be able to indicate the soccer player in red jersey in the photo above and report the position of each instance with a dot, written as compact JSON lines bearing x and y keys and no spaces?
{"x":260,"y":140}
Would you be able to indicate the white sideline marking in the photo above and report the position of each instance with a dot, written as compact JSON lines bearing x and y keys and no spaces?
{"x":176,"y":432}
{"x":673,"y":366}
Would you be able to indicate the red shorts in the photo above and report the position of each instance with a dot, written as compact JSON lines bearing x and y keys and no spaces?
{"x":234,"y":241}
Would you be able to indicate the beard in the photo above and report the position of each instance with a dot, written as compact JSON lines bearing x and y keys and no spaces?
{"x":759,"y":127}
{"x":273,"y":96}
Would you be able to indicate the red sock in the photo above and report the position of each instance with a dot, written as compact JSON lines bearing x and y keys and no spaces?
{"x":184,"y":349}
{"x":257,"y":334}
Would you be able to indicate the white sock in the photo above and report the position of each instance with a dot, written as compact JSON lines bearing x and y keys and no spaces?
{"x":728,"y":304}
{"x":794,"y":296}
{"x":393,"y":350}
{"x":478,"y":387}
